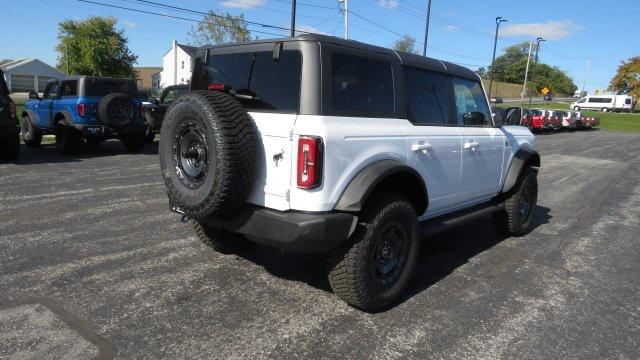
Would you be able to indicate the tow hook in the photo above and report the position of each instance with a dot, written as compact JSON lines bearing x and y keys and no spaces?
{"x":176,"y":209}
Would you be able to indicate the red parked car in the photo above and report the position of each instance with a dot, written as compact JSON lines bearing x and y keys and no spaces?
{"x":535,"y":120}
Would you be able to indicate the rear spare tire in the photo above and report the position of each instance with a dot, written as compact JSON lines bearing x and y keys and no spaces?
{"x":116,"y":110}
{"x":208,"y":153}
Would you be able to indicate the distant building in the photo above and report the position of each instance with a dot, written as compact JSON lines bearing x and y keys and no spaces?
{"x":155,"y":80}
{"x":145,"y":76}
{"x":176,"y":65}
{"x":26,"y":75}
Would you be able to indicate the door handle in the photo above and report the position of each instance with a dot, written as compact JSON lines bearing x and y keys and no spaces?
{"x":421,"y":146}
{"x":471,"y":145}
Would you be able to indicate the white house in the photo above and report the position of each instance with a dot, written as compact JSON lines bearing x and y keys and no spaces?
{"x":26,"y":75}
{"x":176,"y":65}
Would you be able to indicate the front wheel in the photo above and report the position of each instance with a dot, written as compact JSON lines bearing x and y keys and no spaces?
{"x":515,"y":218}
{"x":32,"y":135}
{"x":605,"y":110}
{"x":576,"y":108}
{"x":372,"y":269}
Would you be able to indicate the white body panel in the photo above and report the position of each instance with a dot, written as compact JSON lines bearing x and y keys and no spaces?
{"x":456,"y":177}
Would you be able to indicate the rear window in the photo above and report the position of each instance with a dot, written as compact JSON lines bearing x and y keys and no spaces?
{"x":102,"y":87}
{"x":360,"y":84}
{"x":260,"y":82}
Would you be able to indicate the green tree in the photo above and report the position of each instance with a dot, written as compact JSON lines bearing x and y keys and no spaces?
{"x":94,"y":47}
{"x":406,"y":43}
{"x":627,"y":79}
{"x":511,"y":67}
{"x":482,"y":72}
{"x":219,"y":28}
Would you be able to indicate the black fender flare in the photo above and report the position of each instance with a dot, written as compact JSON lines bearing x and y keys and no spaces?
{"x":355,"y":194}
{"x":522,"y":158}
{"x":29,"y":113}
{"x":67,"y":118}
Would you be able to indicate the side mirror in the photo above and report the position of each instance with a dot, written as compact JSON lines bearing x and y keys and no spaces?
{"x":33,"y":95}
{"x":474,"y":118}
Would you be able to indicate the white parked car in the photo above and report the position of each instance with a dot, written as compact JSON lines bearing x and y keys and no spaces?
{"x":604,"y":103}
{"x":319,"y":144}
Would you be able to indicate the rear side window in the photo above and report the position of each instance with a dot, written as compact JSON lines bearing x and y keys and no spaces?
{"x":470,"y":101}
{"x":428,"y":100}
{"x":360,"y":84}
{"x":102,"y":87}
{"x":259,"y":81}
{"x":627,"y":101}
{"x":69,"y":88}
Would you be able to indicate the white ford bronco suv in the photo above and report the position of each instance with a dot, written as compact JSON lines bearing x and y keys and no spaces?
{"x":318,"y":144}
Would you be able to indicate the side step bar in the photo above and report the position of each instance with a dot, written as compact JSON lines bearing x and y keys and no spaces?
{"x":441,"y":223}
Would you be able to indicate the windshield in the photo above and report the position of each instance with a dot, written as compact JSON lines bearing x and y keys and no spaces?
{"x":3,"y":85}
{"x":102,"y":87}
{"x":535,"y":112}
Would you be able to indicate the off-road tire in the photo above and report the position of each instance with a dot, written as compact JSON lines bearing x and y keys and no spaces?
{"x":31,"y":135}
{"x":353,"y":275}
{"x":10,"y":146}
{"x":511,"y":221}
{"x":217,"y":135}
{"x":135,"y":143}
{"x":116,"y":110}
{"x":221,"y":240}
{"x":68,"y":140}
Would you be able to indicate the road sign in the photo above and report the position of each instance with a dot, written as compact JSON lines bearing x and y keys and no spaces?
{"x":544,"y":91}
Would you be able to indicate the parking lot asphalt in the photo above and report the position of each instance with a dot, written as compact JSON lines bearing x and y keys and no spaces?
{"x":94,"y":264}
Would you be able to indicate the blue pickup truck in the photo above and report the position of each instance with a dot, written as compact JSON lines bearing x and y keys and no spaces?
{"x":81,"y":110}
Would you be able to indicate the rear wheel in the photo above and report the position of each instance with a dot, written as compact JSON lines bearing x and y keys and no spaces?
{"x":221,"y":240}
{"x":372,"y":269}
{"x":515,"y":219}
{"x":32,"y":135}
{"x":576,"y":108}
{"x":68,"y":140}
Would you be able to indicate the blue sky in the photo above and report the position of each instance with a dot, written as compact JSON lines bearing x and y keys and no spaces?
{"x":461,"y":30}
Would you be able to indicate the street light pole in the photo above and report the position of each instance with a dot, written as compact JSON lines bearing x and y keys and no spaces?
{"x":293,"y":18}
{"x":346,"y":18}
{"x":586,"y":75}
{"x":499,"y":20}
{"x":426,"y":28}
{"x":535,"y":64}
{"x":526,"y":74}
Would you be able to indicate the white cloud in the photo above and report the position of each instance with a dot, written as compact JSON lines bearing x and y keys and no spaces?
{"x":243,"y":4}
{"x":451,"y":28}
{"x":391,"y":4}
{"x":551,"y":30}
{"x":308,"y":29}
{"x":129,"y":24}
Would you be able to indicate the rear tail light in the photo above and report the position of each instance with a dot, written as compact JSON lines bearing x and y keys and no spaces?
{"x":216,"y":87}
{"x":12,"y":110}
{"x":82,"y":109}
{"x":309,"y":162}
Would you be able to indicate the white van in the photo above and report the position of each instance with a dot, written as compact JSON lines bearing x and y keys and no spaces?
{"x":604,"y":103}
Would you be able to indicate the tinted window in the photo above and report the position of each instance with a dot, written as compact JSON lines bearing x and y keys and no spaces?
{"x":428,"y":99}
{"x":535,"y":112}
{"x":470,"y":101}
{"x":102,"y":87}
{"x":261,"y":82}
{"x":627,"y":101}
{"x":361,"y":84}
{"x":51,"y":91}
{"x":69,"y":88}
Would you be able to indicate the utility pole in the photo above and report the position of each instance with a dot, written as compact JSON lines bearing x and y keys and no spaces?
{"x":499,"y":20}
{"x":586,"y":75}
{"x":345,"y":11}
{"x":426,"y":28}
{"x":293,"y":18}
{"x":535,"y":63}
{"x":526,"y":74}
{"x":66,"y":50}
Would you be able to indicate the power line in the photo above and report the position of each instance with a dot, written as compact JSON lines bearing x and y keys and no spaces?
{"x":172,"y":16}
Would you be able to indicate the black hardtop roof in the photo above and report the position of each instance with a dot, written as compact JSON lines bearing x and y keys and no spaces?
{"x":405,"y":58}
{"x":78,"y":77}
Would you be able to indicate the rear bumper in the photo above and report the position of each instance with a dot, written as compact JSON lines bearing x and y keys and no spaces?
{"x":293,"y":231}
{"x":102,"y":131}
